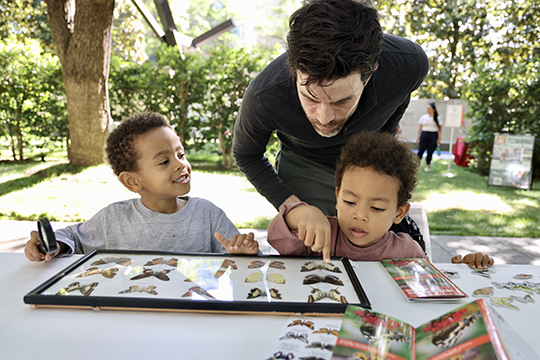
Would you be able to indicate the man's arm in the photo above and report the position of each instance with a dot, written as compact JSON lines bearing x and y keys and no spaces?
{"x":251,"y":134}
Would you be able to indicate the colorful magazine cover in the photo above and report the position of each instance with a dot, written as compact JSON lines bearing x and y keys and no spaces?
{"x":419,"y":280}
{"x":466,"y":333}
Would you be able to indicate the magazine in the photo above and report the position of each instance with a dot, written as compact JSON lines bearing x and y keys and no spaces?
{"x":467,"y":332}
{"x":419,"y":280}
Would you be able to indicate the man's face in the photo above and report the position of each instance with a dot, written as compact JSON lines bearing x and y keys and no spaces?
{"x":331,"y":104}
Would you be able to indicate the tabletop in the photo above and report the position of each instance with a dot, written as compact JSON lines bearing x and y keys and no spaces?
{"x":56,"y":333}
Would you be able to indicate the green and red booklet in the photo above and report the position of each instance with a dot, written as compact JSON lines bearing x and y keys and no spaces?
{"x":419,"y":280}
{"x":465,"y":333}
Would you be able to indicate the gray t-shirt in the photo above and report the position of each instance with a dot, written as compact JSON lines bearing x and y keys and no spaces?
{"x":129,"y":225}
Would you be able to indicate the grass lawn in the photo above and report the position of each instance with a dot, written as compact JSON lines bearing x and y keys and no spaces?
{"x":458,"y":205}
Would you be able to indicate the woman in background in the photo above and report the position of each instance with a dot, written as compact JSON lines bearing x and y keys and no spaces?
{"x":429,"y":134}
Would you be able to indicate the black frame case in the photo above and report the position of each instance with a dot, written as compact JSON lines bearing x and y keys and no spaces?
{"x":142,"y":280}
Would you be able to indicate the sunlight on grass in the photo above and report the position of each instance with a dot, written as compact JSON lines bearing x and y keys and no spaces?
{"x":467,"y":200}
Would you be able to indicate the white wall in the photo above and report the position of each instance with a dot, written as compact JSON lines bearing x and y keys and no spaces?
{"x":417,"y":108}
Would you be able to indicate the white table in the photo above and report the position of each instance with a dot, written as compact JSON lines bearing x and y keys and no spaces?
{"x":48,"y":333}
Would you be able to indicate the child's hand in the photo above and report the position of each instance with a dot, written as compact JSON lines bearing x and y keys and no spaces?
{"x":313,"y":228}
{"x":239,"y":244}
{"x":475,"y":261}
{"x":32,"y":249}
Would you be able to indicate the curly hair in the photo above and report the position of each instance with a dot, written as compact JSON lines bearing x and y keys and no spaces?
{"x":384,"y":154}
{"x":330,"y":39}
{"x":120,"y":152}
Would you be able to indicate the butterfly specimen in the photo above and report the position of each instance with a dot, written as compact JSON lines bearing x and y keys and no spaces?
{"x":161,"y":274}
{"x":256,"y":264}
{"x":319,"y":345}
{"x":483,"y":292}
{"x":275,"y":278}
{"x":136,"y":288}
{"x":224,"y":266}
{"x":159,"y":261}
{"x":525,"y":299}
{"x":373,"y":333}
{"x":86,"y":290}
{"x":503,"y":302}
{"x":334,"y":294}
{"x":124,"y":261}
{"x":255,"y":277}
{"x":277,"y":265}
{"x":198,"y":290}
{"x":449,"y":336}
{"x":526,"y":286}
{"x":292,"y":335}
{"x":312,"y":265}
{"x":483,"y":272}
{"x":273,"y":264}
{"x":256,"y":292}
{"x":334,"y":332}
{"x":108,"y":273}
{"x":330,"y":279}
{"x":523,"y":276}
{"x":306,"y":323}
{"x":279,"y":355}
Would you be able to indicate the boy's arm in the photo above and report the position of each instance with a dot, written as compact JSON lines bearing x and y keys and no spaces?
{"x":475,"y":260}
{"x":32,"y":252}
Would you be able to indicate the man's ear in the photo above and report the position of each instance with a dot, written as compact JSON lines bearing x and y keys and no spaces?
{"x":130,"y":181}
{"x":401,"y":212}
{"x":337,"y":195}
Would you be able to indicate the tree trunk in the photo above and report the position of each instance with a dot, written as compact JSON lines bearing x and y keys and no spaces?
{"x":82,"y":37}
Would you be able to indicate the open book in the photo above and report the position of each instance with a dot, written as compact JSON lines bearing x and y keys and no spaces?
{"x":419,"y":280}
{"x":472,"y":331}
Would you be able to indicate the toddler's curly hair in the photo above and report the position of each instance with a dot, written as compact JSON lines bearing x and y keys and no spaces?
{"x":120,"y":152}
{"x":384,"y":154}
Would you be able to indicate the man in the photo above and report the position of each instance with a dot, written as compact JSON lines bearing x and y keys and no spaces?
{"x":340,"y":76}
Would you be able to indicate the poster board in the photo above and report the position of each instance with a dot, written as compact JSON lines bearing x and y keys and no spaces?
{"x":135,"y":280}
{"x":454,"y":116}
{"x":511,"y":161}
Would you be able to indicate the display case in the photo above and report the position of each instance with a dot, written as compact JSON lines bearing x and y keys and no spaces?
{"x":203,"y":282}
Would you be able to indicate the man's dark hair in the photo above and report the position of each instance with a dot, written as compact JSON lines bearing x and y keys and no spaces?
{"x":120,"y":150}
{"x":330,"y":39}
{"x":385,"y":155}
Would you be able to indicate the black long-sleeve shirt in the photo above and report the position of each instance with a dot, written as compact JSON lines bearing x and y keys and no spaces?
{"x":271,"y":104}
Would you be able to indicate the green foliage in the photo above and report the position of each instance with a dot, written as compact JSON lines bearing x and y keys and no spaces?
{"x":31,"y":94}
{"x":227,"y":74}
{"x":504,"y":96}
{"x":26,"y":19}
{"x":169,"y":86}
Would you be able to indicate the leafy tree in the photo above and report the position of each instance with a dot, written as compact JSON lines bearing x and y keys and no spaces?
{"x":228,"y":72}
{"x":504,"y":95}
{"x":170,"y":85}
{"x":128,"y":32}
{"x":26,"y":19}
{"x":30,"y":93}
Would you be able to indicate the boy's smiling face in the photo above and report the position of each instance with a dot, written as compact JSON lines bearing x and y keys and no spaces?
{"x":164,"y":172}
{"x":367,"y":205}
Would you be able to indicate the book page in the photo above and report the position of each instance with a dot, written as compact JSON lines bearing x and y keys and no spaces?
{"x":461,"y":333}
{"x":367,"y":335}
{"x":420,"y":280}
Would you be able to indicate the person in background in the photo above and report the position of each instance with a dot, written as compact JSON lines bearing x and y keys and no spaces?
{"x":148,"y":158}
{"x":429,"y":134}
{"x":375,"y":176}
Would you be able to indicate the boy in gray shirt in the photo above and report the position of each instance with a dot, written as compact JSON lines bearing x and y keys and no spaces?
{"x":148,"y":158}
